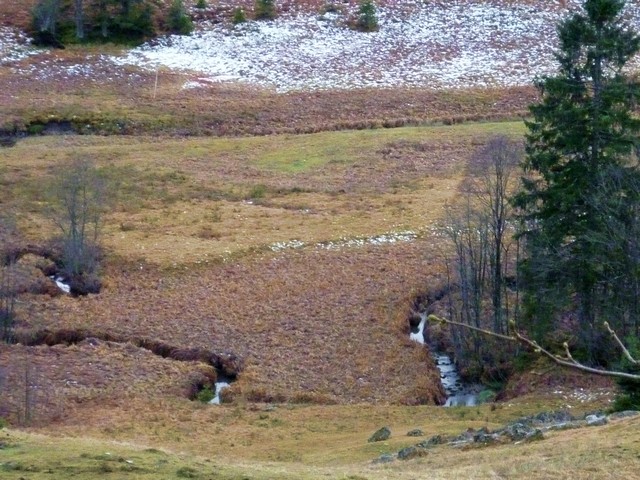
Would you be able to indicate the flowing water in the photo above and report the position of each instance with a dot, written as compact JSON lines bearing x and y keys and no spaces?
{"x":458,"y":392}
{"x":65,"y":287}
{"x":220,"y":385}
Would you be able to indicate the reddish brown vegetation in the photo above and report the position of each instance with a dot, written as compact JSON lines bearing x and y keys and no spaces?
{"x":313,"y":324}
{"x":45,"y":384}
{"x":228,"y":109}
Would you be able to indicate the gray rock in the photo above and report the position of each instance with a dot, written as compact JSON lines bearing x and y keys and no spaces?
{"x":545,"y":418}
{"x":625,"y":414}
{"x":411,"y":452}
{"x":435,"y":440}
{"x":466,"y":436}
{"x":515,"y":432}
{"x":564,"y":426}
{"x":385,"y":458}
{"x":596,"y":420}
{"x":484,"y":437}
{"x":534,"y":436}
{"x":415,"y":433}
{"x":381,"y":435}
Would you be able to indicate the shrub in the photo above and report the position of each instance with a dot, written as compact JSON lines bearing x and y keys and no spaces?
{"x":187,"y":472}
{"x":205,"y":395}
{"x":201,"y":4}
{"x":239,"y":16}
{"x":136,"y":24}
{"x":367,"y":20}
{"x":331,"y":8}
{"x":629,"y":398}
{"x":258,"y":191}
{"x":178,"y":20}
{"x":265,"y":10}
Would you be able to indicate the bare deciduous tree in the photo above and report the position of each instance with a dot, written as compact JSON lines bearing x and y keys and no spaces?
{"x":79,"y":203}
{"x":8,"y":278}
{"x":479,"y":230}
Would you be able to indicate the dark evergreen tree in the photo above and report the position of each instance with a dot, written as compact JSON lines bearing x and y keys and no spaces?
{"x":580,"y":199}
{"x":367,"y":20}
{"x":178,"y":20}
{"x":44,"y":18}
{"x":265,"y":10}
{"x":239,"y":16}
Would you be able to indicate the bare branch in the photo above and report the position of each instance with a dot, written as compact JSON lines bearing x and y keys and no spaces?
{"x":567,"y":362}
{"x":620,"y":344}
{"x":433,"y":318}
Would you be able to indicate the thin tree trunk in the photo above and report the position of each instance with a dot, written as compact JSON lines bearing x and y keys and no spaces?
{"x":79,"y":14}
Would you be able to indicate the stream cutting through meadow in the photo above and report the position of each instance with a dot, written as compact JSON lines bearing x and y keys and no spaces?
{"x":459,"y":394}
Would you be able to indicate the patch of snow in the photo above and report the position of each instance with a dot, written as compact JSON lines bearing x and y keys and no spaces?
{"x":385,"y":238}
{"x":418,"y":335}
{"x":443,"y":45}
{"x":14,"y":46}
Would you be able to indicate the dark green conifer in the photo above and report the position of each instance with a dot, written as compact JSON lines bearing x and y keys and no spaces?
{"x":581,"y":198}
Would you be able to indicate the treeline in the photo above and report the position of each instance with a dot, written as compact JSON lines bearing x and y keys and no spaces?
{"x":59,"y":22}
{"x":556,"y":253}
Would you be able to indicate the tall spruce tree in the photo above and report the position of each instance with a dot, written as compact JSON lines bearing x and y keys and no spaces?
{"x":580,"y":200}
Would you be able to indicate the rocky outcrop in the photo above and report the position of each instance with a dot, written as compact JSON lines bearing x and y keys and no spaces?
{"x":525,"y":429}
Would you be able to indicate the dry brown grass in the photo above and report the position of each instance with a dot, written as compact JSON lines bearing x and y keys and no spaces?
{"x":311,"y":324}
{"x":45,"y":385}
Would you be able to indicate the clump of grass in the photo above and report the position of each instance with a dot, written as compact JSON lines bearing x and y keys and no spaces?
{"x":208,"y":233}
{"x":257,"y":192}
{"x":187,"y":472}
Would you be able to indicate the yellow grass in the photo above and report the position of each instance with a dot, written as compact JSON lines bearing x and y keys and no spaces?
{"x":311,"y":442}
{"x":190,"y":201}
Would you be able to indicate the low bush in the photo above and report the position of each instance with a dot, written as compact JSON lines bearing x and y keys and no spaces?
{"x":205,"y":395}
{"x":178,"y":21}
{"x":265,"y":10}
{"x":239,"y":16}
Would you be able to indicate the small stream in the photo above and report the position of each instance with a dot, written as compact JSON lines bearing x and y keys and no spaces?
{"x":458,"y":393}
{"x":60,"y":283}
{"x":220,"y":385}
